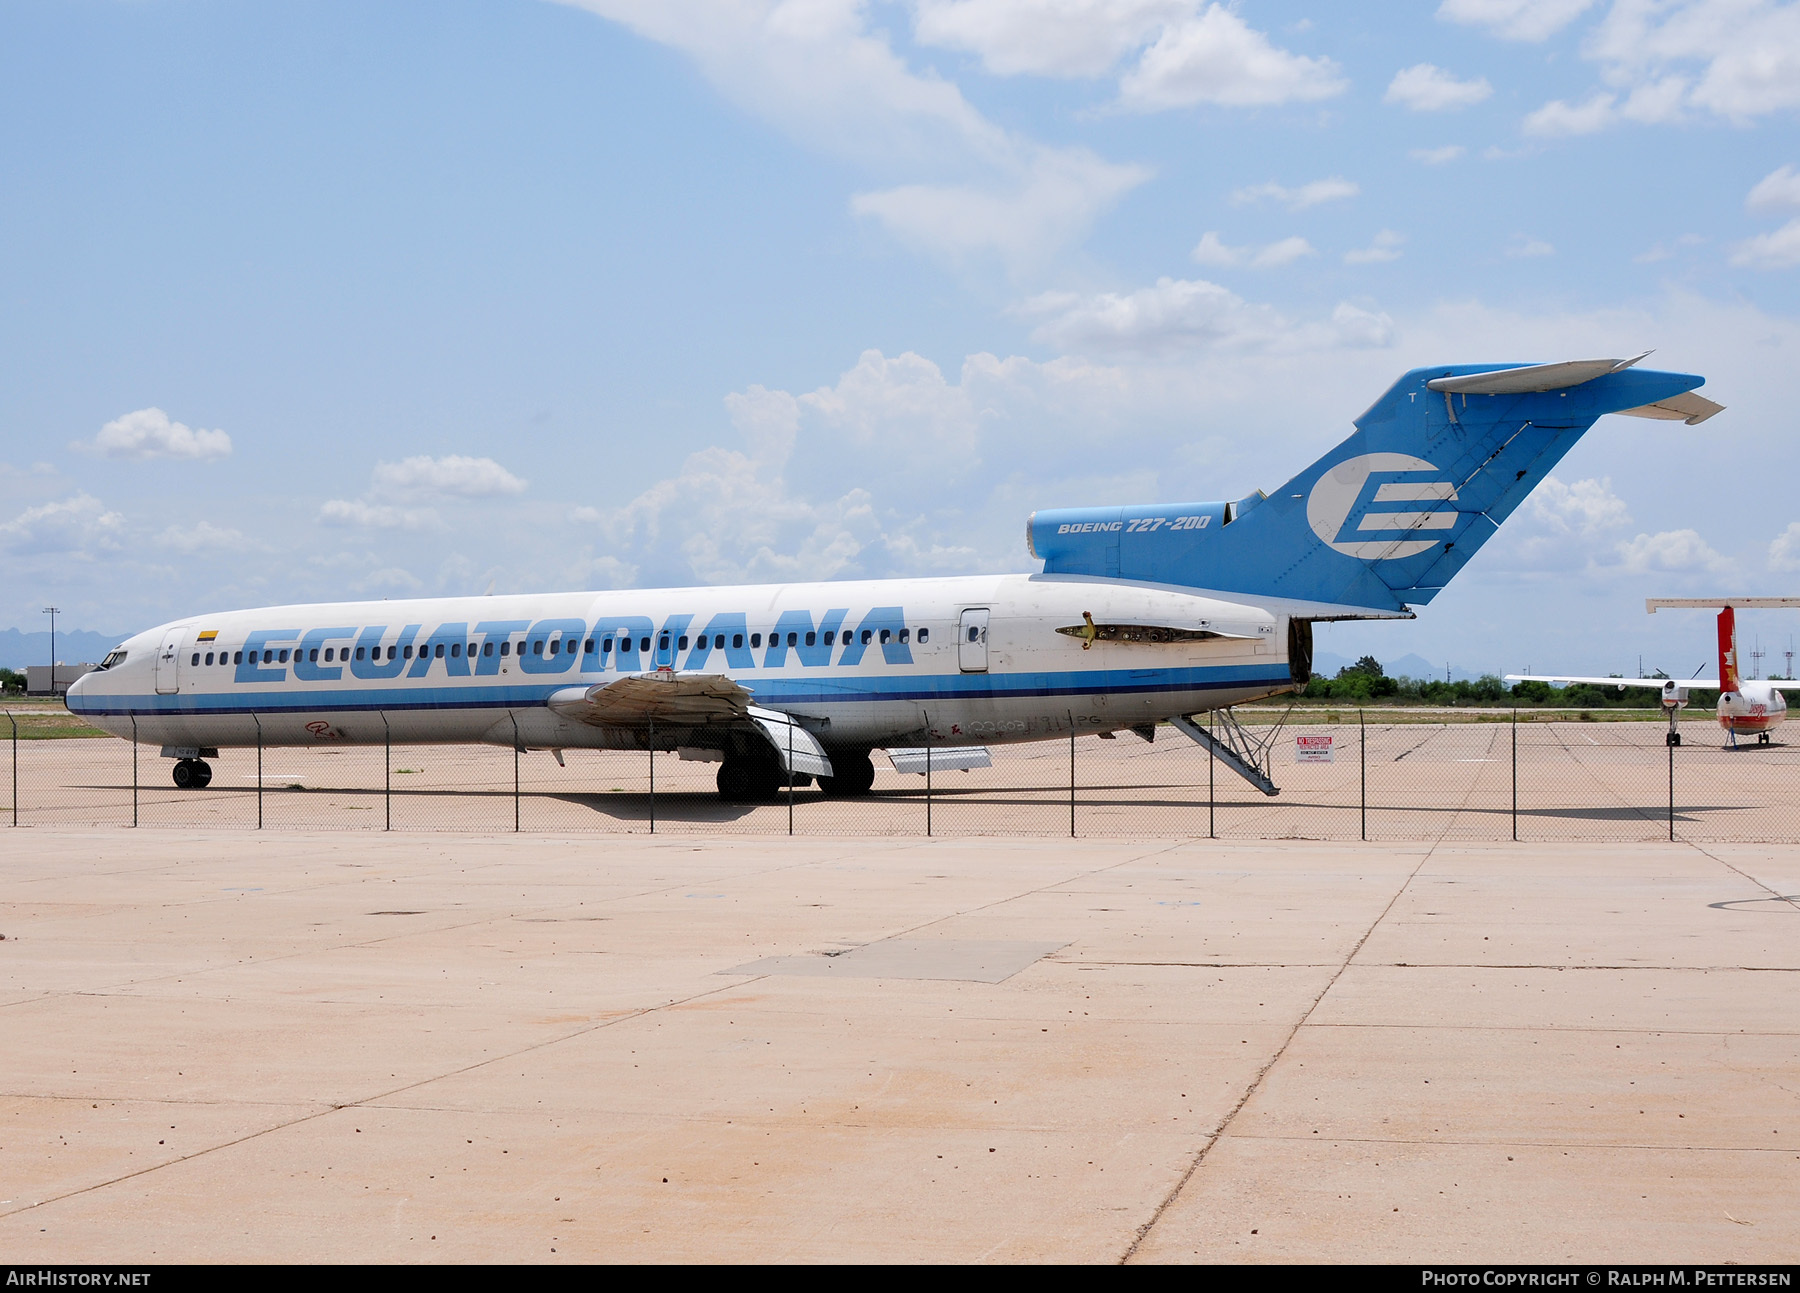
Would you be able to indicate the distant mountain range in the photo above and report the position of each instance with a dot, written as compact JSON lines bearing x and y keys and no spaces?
{"x":74,"y":646}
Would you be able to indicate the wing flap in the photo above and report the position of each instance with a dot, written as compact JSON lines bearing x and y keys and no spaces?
{"x":663,"y":697}
{"x":797,"y":749}
{"x":953,"y":758}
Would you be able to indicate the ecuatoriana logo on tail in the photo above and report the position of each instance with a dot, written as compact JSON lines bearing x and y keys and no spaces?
{"x":1382,"y":506}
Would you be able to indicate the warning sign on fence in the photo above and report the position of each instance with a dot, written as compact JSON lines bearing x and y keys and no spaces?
{"x":1312,"y":749}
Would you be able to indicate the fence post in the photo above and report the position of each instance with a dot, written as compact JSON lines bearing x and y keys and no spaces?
{"x":1362,"y":750}
{"x":387,"y":773}
{"x":1071,"y":776}
{"x":15,"y":767}
{"x":927,"y":776}
{"x":259,"y":779}
{"x":790,"y":774}
{"x":1671,"y":794}
{"x":1515,"y":773}
{"x":134,"y":771}
{"x":653,"y":774}
{"x":1211,"y":825}
{"x":515,"y":726}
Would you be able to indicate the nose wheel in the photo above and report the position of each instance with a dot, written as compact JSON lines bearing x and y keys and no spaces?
{"x":192,"y":774}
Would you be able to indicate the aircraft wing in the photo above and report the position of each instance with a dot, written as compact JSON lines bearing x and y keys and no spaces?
{"x":692,"y":700}
{"x":664,"y":696}
{"x":1561,"y":679}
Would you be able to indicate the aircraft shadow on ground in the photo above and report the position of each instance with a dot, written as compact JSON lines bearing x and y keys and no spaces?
{"x":704,"y":807}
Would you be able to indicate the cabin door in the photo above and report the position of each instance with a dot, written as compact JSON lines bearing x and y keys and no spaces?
{"x":971,"y":642}
{"x":168,"y":663}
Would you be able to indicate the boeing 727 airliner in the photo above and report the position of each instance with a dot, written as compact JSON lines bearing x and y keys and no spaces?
{"x":1140,"y":614}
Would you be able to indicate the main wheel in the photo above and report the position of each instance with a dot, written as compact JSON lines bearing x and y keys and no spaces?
{"x":202,"y":774}
{"x":735,"y":780}
{"x":750,"y":780}
{"x":187,"y":774}
{"x":854,"y":774}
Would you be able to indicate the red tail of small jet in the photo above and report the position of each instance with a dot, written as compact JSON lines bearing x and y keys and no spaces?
{"x":1728,"y":660}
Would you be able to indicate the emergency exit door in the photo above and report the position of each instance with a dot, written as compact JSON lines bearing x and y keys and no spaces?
{"x":971,"y":641}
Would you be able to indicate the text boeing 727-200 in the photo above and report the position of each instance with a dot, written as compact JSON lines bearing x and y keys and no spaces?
{"x":1141,"y":614}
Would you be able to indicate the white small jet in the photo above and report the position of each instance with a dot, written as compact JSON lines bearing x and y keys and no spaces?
{"x":1753,"y":707}
{"x":1140,"y":615}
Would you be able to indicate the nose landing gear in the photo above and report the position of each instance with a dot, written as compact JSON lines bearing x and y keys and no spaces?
{"x":192,"y":774}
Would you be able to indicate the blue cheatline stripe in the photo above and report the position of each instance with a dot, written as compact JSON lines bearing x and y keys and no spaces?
{"x":764,"y":691}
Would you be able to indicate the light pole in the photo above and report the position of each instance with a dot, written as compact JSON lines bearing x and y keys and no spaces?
{"x":51,"y":612}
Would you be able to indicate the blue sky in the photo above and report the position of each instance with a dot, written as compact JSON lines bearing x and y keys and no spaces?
{"x":325,"y":301}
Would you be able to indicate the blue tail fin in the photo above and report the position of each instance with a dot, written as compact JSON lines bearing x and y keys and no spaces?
{"x":1390,"y":515}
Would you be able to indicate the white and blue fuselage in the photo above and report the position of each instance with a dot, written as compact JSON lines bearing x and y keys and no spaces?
{"x":864,"y":664}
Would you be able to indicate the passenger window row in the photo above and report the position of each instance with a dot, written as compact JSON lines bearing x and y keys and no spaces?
{"x":331,"y":655}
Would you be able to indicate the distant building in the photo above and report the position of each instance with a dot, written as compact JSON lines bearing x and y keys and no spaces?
{"x":38,"y":681}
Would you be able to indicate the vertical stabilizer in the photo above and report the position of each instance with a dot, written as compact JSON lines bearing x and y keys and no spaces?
{"x":1386,"y":518}
{"x":1728,"y":663}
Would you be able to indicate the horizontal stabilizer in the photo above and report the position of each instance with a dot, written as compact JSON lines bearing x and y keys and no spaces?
{"x":1532,"y":378}
{"x":1687,"y":407}
{"x":954,"y":758}
{"x":797,"y":749}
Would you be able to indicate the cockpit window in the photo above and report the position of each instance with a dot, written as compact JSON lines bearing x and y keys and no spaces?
{"x":114,"y":657}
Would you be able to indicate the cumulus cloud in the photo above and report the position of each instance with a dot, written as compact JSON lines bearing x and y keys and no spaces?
{"x":80,"y":525}
{"x":1186,"y":52}
{"x":454,"y":475}
{"x":1334,"y":189}
{"x":1437,"y":156}
{"x":1670,"y":552}
{"x":1664,"y":250}
{"x":376,"y":516}
{"x":1735,"y":59}
{"x":1034,"y":204}
{"x":1181,"y":314}
{"x":1062,"y":38}
{"x":1779,"y":190}
{"x":1215,"y":57}
{"x":1384,"y":247}
{"x":1212,"y":251}
{"x":1779,"y":249}
{"x":1523,"y":248}
{"x":149,"y":433}
{"x":1425,"y":87}
{"x":1585,"y":508}
{"x":1784,"y":552}
{"x":201,"y":536}
{"x":1532,"y":20}
{"x":1561,"y":118}
{"x":821,"y":74}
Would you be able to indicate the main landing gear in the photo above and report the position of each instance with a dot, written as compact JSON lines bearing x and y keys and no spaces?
{"x":855,"y":774}
{"x":192,"y":774}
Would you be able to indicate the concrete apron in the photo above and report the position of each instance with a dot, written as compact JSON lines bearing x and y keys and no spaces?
{"x":325,"y":1047}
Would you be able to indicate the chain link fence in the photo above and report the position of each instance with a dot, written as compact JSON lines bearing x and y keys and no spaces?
{"x":1348,"y":775}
